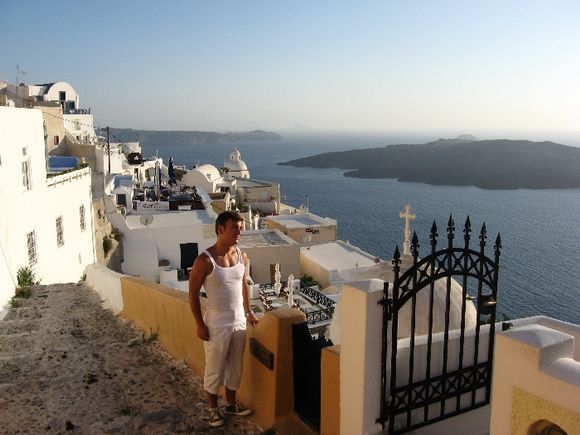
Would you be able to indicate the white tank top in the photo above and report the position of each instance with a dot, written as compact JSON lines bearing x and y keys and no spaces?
{"x":225,"y":301}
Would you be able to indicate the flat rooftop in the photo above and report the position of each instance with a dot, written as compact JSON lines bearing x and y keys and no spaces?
{"x":259,"y":238}
{"x":304,"y":220}
{"x":170,"y":219}
{"x":338,"y":255}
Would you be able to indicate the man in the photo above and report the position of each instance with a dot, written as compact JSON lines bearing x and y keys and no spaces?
{"x":221,"y":269}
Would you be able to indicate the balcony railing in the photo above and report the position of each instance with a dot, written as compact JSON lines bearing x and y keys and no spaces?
{"x":54,"y":179}
{"x":77,"y":111}
{"x":317,"y":297}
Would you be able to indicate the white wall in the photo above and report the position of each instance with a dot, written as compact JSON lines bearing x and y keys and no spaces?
{"x":117,"y":158}
{"x":261,"y":257}
{"x":81,"y":127}
{"x":36,"y":209}
{"x":54,"y":91}
{"x":143,"y":247}
{"x":107,"y":284}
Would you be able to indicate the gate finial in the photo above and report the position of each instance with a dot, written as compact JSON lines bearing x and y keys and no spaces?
{"x":483,"y":236}
{"x":433,"y":235}
{"x":467,"y":229}
{"x":415,"y":244}
{"x":396,"y":262}
{"x":397,"y":255}
{"x":450,"y":228}
{"x":497,"y":246}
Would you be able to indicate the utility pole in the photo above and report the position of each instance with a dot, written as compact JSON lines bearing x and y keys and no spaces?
{"x":109,"y":147}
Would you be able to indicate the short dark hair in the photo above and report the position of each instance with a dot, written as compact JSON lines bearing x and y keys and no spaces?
{"x":225,"y":216}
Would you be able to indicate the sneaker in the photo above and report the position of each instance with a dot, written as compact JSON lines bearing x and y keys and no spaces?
{"x":215,"y":418}
{"x":237,"y":409}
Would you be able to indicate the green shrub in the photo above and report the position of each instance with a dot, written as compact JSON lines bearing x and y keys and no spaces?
{"x":307,"y":281}
{"x":107,"y":245}
{"x":25,"y":277}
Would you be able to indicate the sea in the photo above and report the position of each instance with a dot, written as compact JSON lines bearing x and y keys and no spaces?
{"x":540,"y":229}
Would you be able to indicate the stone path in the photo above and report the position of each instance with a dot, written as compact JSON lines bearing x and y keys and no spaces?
{"x":67,"y":365}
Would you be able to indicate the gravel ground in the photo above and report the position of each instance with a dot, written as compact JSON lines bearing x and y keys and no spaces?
{"x":67,"y":365}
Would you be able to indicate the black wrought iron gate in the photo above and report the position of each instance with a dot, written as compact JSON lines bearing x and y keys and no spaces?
{"x":431,"y":376}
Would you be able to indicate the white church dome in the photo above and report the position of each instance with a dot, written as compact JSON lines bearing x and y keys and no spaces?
{"x":204,"y":176}
{"x":236,"y":165}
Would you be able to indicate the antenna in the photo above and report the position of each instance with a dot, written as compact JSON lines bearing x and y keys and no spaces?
{"x":19,"y":72}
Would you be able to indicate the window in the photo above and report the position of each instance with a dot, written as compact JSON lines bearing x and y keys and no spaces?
{"x":26,"y":174}
{"x":26,"y":181}
{"x":59,"y":232}
{"x":56,"y":140}
{"x":31,"y":246}
{"x":82,"y":217}
{"x":77,"y":125}
{"x":62,"y":95}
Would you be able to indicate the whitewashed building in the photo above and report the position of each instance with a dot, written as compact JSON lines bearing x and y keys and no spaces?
{"x":305,"y":228}
{"x":78,"y":122}
{"x":46,"y":221}
{"x":207,"y":177}
{"x":336,"y":261}
{"x":159,"y":243}
{"x":265,"y":249}
{"x":236,"y":166}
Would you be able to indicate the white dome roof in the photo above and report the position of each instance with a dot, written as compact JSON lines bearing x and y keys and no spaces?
{"x":204,"y":176}
{"x":236,"y":165}
{"x":210,"y":172}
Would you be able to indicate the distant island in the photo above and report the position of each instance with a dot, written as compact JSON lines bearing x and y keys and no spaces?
{"x":464,"y":161}
{"x":160,"y":138}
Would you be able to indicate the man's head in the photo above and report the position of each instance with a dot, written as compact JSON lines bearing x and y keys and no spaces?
{"x":229,"y":223}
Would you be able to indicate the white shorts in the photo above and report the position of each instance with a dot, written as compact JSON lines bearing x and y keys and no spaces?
{"x":224,"y":354}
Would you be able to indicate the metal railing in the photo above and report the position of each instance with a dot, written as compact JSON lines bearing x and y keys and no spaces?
{"x":316,"y":296}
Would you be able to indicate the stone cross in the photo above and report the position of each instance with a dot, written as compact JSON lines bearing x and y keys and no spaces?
{"x":290,"y":287}
{"x":277,"y":276}
{"x":408,"y":218}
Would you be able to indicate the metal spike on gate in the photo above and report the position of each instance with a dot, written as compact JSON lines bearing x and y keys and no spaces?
{"x":433,"y":235}
{"x":467,"y":229}
{"x":415,"y":244}
{"x":450,"y":228}
{"x":497,"y":246}
{"x":483,"y":236}
{"x":396,"y":262}
{"x":396,"y":256}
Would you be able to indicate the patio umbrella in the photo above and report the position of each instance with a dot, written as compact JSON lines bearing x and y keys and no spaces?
{"x":171,"y":172}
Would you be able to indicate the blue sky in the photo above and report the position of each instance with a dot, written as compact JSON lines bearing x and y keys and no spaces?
{"x":482,"y":67}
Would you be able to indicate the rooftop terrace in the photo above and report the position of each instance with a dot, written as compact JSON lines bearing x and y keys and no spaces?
{"x":305,"y":220}
{"x":254,"y":239}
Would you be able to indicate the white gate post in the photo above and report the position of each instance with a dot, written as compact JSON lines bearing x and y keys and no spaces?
{"x":360,"y":356}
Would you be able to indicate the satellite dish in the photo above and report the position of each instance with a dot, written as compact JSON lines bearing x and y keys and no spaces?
{"x":146,"y":219}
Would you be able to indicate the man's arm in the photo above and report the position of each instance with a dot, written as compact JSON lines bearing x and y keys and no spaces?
{"x":201,"y":268}
{"x":246,"y":293}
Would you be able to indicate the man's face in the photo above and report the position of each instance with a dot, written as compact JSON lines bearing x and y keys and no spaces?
{"x":230,"y":232}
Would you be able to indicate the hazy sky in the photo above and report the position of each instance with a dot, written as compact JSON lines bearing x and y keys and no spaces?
{"x":455,"y":66}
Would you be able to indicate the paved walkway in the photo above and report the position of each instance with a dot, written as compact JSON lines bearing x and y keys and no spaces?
{"x":67,"y":365}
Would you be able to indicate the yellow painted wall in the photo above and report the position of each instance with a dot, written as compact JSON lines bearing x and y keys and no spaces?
{"x":156,"y":308}
{"x":271,"y":391}
{"x":523,"y":391}
{"x":330,"y":391}
{"x":528,"y":408}
{"x":161,"y":309}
